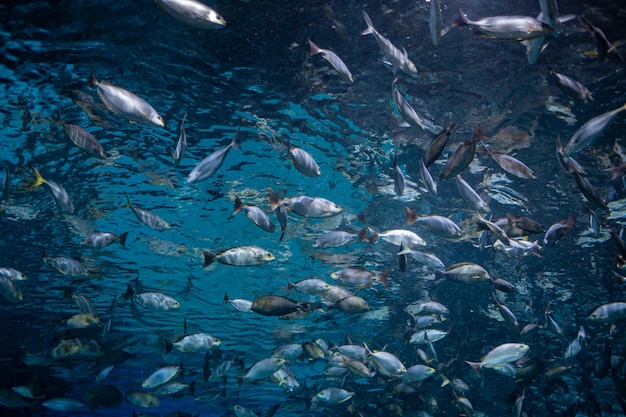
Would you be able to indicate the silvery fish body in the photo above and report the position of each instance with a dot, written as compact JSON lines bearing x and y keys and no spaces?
{"x":334,"y":239}
{"x":570,"y":86}
{"x":211,"y":164}
{"x":588,"y":133}
{"x":465,"y":272}
{"x":399,"y":59}
{"x":471,"y":197}
{"x":9,"y":289}
{"x":152,"y":300}
{"x":126,"y":104}
{"x":103,"y":239}
{"x":428,"y":259}
{"x":306,"y":206}
{"x":181,"y":145}
{"x":434,"y":21}
{"x":68,"y":266}
{"x":197,"y":342}
{"x":332,"y":395}
{"x":255,"y":214}
{"x":304,"y":162}
{"x":161,"y":376}
{"x":333,"y":59}
{"x":84,"y":140}
{"x":239,"y":256}
{"x":148,"y":218}
{"x":14,"y":274}
{"x":405,"y":109}
{"x":192,"y":13}
{"x":609,"y":312}
{"x":507,"y":27}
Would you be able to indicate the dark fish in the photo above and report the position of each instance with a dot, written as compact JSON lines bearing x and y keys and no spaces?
{"x":275,"y":305}
{"x":606,"y":49}
{"x":181,"y":145}
{"x":559,"y":230}
{"x":590,"y":192}
{"x":461,"y":157}
{"x":398,"y":177}
{"x":503,"y":285}
{"x":6,"y":182}
{"x":525,"y":223}
{"x":437,"y":145}
{"x":570,"y":86}
{"x":103,"y":396}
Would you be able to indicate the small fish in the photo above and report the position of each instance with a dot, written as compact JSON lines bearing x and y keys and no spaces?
{"x":439,"y":225}
{"x":421,"y":337}
{"x":304,"y":162}
{"x":434,"y":22}
{"x":507,"y":315}
{"x":161,"y":376}
{"x":428,"y":259}
{"x":239,"y":256}
{"x":500,"y":355}
{"x":464,"y":272}
{"x":334,"y":239}
{"x":570,"y":86}
{"x":417,"y":373}
{"x":126,"y":104}
{"x":58,"y":193}
{"x":398,"y":59}
{"x":503,"y":285}
{"x":82,"y":321}
{"x":461,"y":157}
{"x":387,"y":363}
{"x":405,"y":109}
{"x":212,"y":163}
{"x":569,"y":164}
{"x":152,"y":300}
{"x":192,"y":13}
{"x":515,"y":28}
{"x":194,"y":343}
{"x":331,"y":396}
{"x":148,"y":218}
{"x":398,"y":237}
{"x":143,"y":399}
{"x":359,"y":278}
{"x":333,"y":59}
{"x":13,"y":274}
{"x":484,"y":224}
{"x":438,"y":144}
{"x":6,"y":182}
{"x":239,"y":304}
{"x":606,"y":49}
{"x":263,"y":369}
{"x":82,"y":138}
{"x":609,"y":312}
{"x":525,"y":224}
{"x":471,"y":197}
{"x":559,"y":230}
{"x":275,"y":305}
{"x":63,"y":404}
{"x":306,"y":206}
{"x":255,"y":214}
{"x":102,"y":239}
{"x":589,"y":132}
{"x":511,"y":165}
{"x":398,"y":177}
{"x":181,"y":145}
{"x":66,"y":266}
{"x":427,"y":179}
{"x":351,"y":305}
{"x":589,"y":191}
{"x":9,"y":290}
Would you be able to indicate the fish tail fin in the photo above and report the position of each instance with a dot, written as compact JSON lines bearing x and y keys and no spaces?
{"x":238,"y":206}
{"x":411,"y":216}
{"x":462,"y":20}
{"x":209,"y":258}
{"x":235,"y":143}
{"x":313,"y":48}
{"x":92,"y":79}
{"x":370,"y":26}
{"x":226,"y":299}
{"x":274,"y":200}
{"x":475,"y":366}
{"x":129,"y":292}
{"x":38,"y":178}
{"x":59,"y":118}
{"x":290,"y":285}
{"x":122,"y":239}
{"x":127,"y":205}
{"x":168,"y":346}
{"x":382,"y":278}
{"x":444,"y":380}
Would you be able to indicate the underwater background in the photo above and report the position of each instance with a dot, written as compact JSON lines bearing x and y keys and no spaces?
{"x":255,"y":76}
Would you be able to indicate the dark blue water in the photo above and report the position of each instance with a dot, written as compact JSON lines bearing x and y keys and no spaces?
{"x":255,"y":73}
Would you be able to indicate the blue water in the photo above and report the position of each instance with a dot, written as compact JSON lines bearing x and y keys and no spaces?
{"x":255,"y":72}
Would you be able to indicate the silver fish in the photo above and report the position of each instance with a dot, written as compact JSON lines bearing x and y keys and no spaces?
{"x":588,"y":133}
{"x":500,"y":355}
{"x":263,"y":369}
{"x":407,"y":112}
{"x":570,"y":86}
{"x":147,"y":217}
{"x":465,"y":272}
{"x":239,"y":256}
{"x":255,"y":214}
{"x":13,"y":274}
{"x":398,"y":59}
{"x":306,"y":206}
{"x":58,"y":193}
{"x":181,"y":145}
{"x":434,"y":21}
{"x":103,"y":239}
{"x":510,"y":164}
{"x":152,"y":300}
{"x":428,"y":259}
{"x":161,"y":376}
{"x":427,"y":179}
{"x":192,"y":13}
{"x":304,"y":162}
{"x":334,"y":239}
{"x":609,"y":312}
{"x":471,"y":198}
{"x":9,"y":290}
{"x":439,"y":225}
{"x":194,"y":343}
{"x":333,"y":59}
{"x":331,"y":396}
{"x":506,"y":27}
{"x":126,"y":104}
{"x":82,"y":138}
{"x":212,"y":163}
{"x":66,"y":266}
{"x":398,"y":177}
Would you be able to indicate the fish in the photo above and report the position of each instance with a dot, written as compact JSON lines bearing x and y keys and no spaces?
{"x":609,"y":312}
{"x":311,"y":286}
{"x":263,"y":369}
{"x":255,"y":214}
{"x":439,"y":225}
{"x":590,"y":192}
{"x":103,"y":239}
{"x":212,"y":163}
{"x":276,"y":305}
{"x":239,"y":304}
{"x":143,"y":399}
{"x":331,"y":396}
{"x":484,"y":224}
{"x":359,"y":278}
{"x":398,"y":177}
{"x":500,"y":355}
{"x":461,"y":157}
{"x":82,"y":138}
{"x":306,"y":206}
{"x":438,"y":144}
{"x":66,"y":266}
{"x":181,"y":145}
{"x":398,"y":237}
{"x":192,"y":13}
{"x":81,"y":321}
{"x":559,"y":230}
{"x":398,"y":59}
{"x":417,"y":373}
{"x":525,"y":224}
{"x":340,"y":67}
{"x":155,"y":301}
{"x":515,"y":28}
{"x":9,"y":290}
{"x":550,"y":15}
{"x":405,"y":109}
{"x":434,"y":22}
{"x":194,"y":343}
{"x":464,"y":272}
{"x":6,"y":183}
{"x":334,"y":239}
{"x":148,"y":218}
{"x":428,"y":259}
{"x":427,"y":179}
{"x":13,"y":274}
{"x":351,"y":305}
{"x":126,"y":104}
{"x":507,"y":315}
{"x":239,"y":256}
{"x":59,"y":195}
{"x":67,"y":405}
{"x":387,"y":363}
{"x":304,"y":162}
{"x":606,"y":49}
{"x":161,"y":376}
{"x":510,"y":164}
{"x":570,"y":86}
{"x":589,"y":132}
{"x":471,"y":197}
{"x":421,"y":337}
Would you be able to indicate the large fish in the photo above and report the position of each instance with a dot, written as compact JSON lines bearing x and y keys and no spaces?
{"x":515,"y":28}
{"x":192,"y":13}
